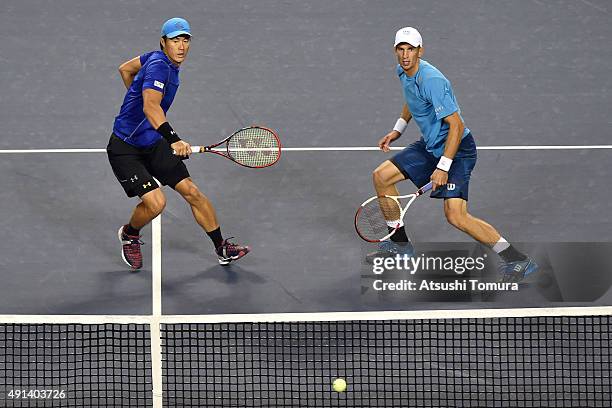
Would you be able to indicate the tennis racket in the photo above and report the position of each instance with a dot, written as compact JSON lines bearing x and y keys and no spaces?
{"x":378,"y":218}
{"x":254,"y":147}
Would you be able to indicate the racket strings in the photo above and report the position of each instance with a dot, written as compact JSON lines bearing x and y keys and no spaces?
{"x":378,"y":218}
{"x":254,"y":147}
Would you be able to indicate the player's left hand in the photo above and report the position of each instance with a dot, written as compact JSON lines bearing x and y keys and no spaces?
{"x":439,"y":178}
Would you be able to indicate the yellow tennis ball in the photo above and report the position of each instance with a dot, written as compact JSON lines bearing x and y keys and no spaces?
{"x":339,"y":385}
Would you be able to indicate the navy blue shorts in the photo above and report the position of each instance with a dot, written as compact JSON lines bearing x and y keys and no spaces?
{"x":417,"y":165}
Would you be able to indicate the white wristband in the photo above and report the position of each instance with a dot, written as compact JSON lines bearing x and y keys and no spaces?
{"x":400,"y":125}
{"x":445,"y":163}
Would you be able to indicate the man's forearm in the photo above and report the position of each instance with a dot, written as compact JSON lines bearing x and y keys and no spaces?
{"x":402,"y":122}
{"x":127,"y":78}
{"x":128,"y":71}
{"x":155,"y":115}
{"x":157,"y":119}
{"x":406,"y":115}
{"x":453,"y":141}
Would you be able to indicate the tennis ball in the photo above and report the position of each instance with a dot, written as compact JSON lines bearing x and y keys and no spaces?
{"x":339,"y":385}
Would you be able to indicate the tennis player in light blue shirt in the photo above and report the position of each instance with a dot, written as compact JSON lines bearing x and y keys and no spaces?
{"x":431,"y":98}
{"x":445,"y":155}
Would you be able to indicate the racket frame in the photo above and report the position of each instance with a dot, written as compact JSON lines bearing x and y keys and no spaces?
{"x":226,"y":152}
{"x":403,"y":211}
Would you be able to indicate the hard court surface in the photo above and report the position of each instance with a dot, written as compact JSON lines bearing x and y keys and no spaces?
{"x":322,"y":73}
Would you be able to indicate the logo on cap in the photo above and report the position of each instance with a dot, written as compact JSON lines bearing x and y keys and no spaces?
{"x":409,"y":35}
{"x":175,"y":26}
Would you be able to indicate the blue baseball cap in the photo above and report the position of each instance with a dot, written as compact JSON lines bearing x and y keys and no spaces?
{"x":175,"y":27}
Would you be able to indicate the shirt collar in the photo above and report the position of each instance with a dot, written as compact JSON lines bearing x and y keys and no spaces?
{"x":172,"y":64}
{"x":414,"y":78}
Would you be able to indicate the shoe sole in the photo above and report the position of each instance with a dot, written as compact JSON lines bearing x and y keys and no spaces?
{"x":119,"y":233}
{"x":226,"y":261}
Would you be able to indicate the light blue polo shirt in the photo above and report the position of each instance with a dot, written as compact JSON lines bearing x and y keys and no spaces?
{"x":430,"y":98}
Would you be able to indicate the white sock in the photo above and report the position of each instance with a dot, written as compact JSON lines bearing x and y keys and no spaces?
{"x":501,"y":245}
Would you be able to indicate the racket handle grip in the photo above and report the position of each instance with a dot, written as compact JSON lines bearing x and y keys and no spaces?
{"x":426,"y":187}
{"x":194,"y":149}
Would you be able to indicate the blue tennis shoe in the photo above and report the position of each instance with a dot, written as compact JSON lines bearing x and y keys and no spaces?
{"x":389,"y":249}
{"x":514,"y":272}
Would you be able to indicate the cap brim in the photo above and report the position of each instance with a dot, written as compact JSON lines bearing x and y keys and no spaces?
{"x":406,"y":42}
{"x":177,"y":33}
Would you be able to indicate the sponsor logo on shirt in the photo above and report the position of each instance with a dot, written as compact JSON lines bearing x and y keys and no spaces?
{"x":158,"y":84}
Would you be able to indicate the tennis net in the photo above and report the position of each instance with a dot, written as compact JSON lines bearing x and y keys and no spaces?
{"x":95,"y":363}
{"x":456,"y":358}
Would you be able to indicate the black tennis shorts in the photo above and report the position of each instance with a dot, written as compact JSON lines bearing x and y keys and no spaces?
{"x":135,"y":167}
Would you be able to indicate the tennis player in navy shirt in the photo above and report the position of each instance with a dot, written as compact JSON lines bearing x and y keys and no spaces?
{"x":444,"y":155}
{"x":143,"y":144}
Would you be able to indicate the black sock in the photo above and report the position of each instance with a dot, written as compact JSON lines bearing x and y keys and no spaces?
{"x":216,"y":237}
{"x":129,"y":230}
{"x":511,"y":254}
{"x":400,"y":236}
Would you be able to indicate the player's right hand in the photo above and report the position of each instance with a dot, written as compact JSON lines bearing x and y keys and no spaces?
{"x":181,"y":148}
{"x":386,"y":140}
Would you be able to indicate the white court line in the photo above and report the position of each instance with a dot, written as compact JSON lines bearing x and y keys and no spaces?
{"x":53,"y":151}
{"x":374,"y":148}
{"x":339,"y":149}
{"x":313,"y":317}
{"x":156,"y":344}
